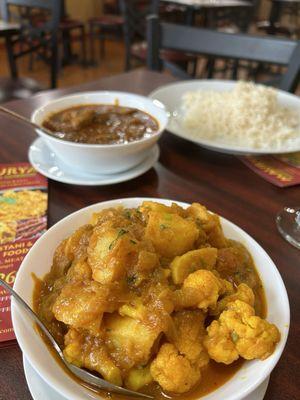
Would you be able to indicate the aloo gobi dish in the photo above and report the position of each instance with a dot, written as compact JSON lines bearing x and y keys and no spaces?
{"x":156,"y":299}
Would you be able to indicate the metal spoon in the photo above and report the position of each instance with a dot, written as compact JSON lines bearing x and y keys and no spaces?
{"x":82,"y":374}
{"x":33,"y":124}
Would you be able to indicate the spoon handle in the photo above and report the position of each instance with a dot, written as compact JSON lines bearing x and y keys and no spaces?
{"x":24,"y":119}
{"x":32,"y":315}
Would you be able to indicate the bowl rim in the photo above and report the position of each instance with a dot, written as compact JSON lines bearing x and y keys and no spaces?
{"x":239,"y":394}
{"x":156,"y":103}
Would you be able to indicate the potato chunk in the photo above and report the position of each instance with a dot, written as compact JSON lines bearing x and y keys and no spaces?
{"x":191,"y":261}
{"x":111,"y":253}
{"x":138,"y":377}
{"x":210,"y":223}
{"x":129,"y":341}
{"x":81,"y":305}
{"x":202,"y":216}
{"x":72,"y":248}
{"x":162,"y":208}
{"x":216,"y":236}
{"x":79,"y":271}
{"x":90,"y":352}
{"x":135,"y":310}
{"x":171,"y":234}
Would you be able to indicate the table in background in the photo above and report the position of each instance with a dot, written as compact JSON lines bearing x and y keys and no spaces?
{"x":185,"y":172}
{"x":194,"y":6}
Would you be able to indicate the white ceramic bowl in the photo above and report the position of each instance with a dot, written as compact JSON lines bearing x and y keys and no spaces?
{"x":39,"y":259}
{"x":99,"y":158}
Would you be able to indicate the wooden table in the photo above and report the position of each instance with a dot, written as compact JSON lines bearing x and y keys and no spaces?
{"x":185,"y":172}
{"x":8,"y":28}
{"x":194,"y":6}
{"x":211,"y":3}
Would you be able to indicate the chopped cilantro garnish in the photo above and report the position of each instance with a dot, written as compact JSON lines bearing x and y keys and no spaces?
{"x":168,"y":217}
{"x":120,"y":233}
{"x":127,"y":214}
{"x":131,"y":279}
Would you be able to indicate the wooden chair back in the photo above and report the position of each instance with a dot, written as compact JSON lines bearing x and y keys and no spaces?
{"x":134,"y":13}
{"x":39,"y":21}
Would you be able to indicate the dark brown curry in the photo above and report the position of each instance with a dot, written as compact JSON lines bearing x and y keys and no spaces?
{"x":101,"y":124}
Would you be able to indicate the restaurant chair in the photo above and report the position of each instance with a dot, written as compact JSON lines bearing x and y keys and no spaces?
{"x":269,"y":50}
{"x":234,"y":19}
{"x":231,"y":19}
{"x":32,"y":38}
{"x":283,"y":19}
{"x":71,"y":30}
{"x":135,"y":13}
{"x":67,"y":27}
{"x":106,"y":26}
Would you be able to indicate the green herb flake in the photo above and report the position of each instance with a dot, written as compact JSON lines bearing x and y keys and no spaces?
{"x":127,"y":214}
{"x":162,"y":227}
{"x":168,"y":217}
{"x":234,"y":336}
{"x":132,"y":241}
{"x":131,"y":279}
{"x":199,"y":223}
{"x":204,"y":264}
{"x":143,"y":366}
{"x":120,"y":233}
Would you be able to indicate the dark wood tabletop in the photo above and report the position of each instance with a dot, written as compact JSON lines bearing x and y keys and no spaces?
{"x":185,"y":172}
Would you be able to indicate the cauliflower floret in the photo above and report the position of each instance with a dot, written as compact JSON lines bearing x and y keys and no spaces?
{"x":238,"y":332}
{"x":243,"y":293}
{"x":190,"y":332}
{"x":173,"y":371}
{"x":201,"y":289}
{"x":219,"y":344}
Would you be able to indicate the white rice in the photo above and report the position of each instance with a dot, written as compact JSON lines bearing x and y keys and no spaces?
{"x":248,"y":115}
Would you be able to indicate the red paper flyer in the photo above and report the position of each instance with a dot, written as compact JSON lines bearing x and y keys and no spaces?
{"x":282,"y":171}
{"x":23,"y":219}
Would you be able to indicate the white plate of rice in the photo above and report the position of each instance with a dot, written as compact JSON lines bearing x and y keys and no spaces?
{"x":233,"y":117}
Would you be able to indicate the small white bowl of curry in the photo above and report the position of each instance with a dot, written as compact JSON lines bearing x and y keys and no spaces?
{"x":160,"y":297}
{"x":102,"y":132}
